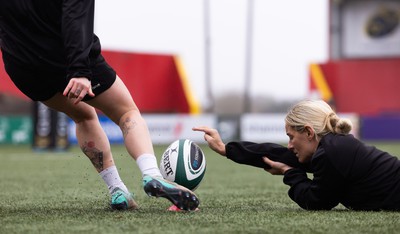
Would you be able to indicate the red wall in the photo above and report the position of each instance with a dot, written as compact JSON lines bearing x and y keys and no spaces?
{"x":364,"y":86}
{"x":153,"y":80}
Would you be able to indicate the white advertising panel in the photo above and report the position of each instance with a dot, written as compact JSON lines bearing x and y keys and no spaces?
{"x":271,"y":127}
{"x":163,"y":128}
{"x":263,"y":128}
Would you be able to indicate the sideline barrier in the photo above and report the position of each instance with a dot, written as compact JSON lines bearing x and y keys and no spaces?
{"x":49,"y":129}
{"x":164,"y":128}
{"x":263,"y":128}
{"x":381,"y":127}
{"x":16,"y":129}
{"x":271,"y":127}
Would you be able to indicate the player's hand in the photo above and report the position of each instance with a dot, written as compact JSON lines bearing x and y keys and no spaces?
{"x":78,"y":88}
{"x":213,"y":139}
{"x":277,"y":168}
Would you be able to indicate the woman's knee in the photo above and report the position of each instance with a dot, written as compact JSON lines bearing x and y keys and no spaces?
{"x":132,"y":114}
{"x":79,"y":117}
{"x":77,"y":112}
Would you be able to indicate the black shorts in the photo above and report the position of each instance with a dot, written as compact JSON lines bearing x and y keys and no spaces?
{"x":40,"y":84}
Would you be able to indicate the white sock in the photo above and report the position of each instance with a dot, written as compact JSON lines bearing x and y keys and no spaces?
{"x":148,"y":165}
{"x":111,"y":178}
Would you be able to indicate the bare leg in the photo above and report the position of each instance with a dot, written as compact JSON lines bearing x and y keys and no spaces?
{"x":119,"y":106}
{"x":95,"y":145}
{"x":134,"y":127}
{"x":91,"y":137}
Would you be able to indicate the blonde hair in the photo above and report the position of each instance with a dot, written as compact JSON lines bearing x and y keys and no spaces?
{"x":318,"y":115}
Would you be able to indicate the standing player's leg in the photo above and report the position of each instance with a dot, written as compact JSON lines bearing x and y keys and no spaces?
{"x":95,"y":145}
{"x":117,"y":103}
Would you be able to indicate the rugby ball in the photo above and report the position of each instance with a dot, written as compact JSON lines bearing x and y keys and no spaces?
{"x":184,"y":163}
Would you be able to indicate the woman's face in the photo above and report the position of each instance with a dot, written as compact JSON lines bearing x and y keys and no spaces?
{"x":303,"y":144}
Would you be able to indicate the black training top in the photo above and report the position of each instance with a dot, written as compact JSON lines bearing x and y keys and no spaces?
{"x":50,"y":34}
{"x":349,"y":172}
{"x":344,"y":169}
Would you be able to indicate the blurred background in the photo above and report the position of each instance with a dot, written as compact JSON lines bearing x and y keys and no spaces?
{"x":227,"y":47}
{"x":236,"y":66}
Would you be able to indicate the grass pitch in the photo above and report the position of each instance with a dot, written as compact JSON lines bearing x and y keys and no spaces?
{"x":50,"y":192}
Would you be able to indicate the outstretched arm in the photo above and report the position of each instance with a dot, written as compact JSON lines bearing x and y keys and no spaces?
{"x":249,"y":153}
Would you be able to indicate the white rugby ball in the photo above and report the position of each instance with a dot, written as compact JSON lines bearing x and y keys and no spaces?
{"x":184,"y":163}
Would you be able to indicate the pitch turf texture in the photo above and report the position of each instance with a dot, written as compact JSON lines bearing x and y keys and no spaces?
{"x":50,"y":192}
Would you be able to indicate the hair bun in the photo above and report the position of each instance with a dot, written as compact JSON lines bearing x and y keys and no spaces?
{"x":343,"y":126}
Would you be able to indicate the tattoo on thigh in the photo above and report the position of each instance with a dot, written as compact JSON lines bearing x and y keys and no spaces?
{"x":95,"y":155}
{"x":127,"y":125}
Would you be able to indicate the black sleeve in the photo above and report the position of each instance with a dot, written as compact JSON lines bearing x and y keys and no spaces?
{"x":77,"y":30}
{"x":249,"y":153}
{"x":309,"y":194}
{"x":325,"y":189}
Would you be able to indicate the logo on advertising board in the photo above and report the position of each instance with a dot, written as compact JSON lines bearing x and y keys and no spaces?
{"x":382,"y":23}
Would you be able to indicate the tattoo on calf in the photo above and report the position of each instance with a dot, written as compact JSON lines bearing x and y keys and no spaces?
{"x":127,"y":125}
{"x":95,"y":155}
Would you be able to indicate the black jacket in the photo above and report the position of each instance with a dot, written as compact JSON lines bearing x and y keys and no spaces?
{"x":50,"y":34}
{"x":344,"y":170}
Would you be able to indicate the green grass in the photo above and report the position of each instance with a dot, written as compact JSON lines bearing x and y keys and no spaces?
{"x":50,"y":192}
